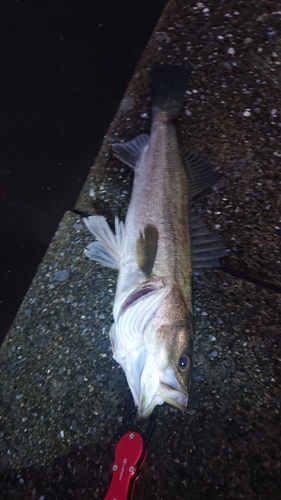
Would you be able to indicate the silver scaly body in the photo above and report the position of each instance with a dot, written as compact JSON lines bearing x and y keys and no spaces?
{"x":152,"y":332}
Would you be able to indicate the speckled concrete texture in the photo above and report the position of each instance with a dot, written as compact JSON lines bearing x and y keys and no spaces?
{"x":63,"y":397}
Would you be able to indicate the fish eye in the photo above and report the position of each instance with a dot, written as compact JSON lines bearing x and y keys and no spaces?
{"x":184,"y":363}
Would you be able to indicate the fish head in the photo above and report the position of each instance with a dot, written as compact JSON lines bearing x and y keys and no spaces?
{"x":153,"y":344}
{"x":166,"y":373}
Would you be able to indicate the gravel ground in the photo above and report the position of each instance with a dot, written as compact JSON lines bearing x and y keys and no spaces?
{"x":63,"y":397}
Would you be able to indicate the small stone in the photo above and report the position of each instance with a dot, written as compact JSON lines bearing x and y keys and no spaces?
{"x":248,"y":40}
{"x":74,"y":426}
{"x":92,"y":431}
{"x":214,"y":354}
{"x":231,"y":51}
{"x":61,"y":275}
{"x":111,"y":384}
{"x":127,"y":104}
{"x":191,"y":412}
{"x":162,"y":36}
{"x":247,"y":113}
{"x":78,"y":226}
{"x":187,"y":112}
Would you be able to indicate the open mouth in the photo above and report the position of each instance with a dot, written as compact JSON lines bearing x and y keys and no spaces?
{"x":165,"y":394}
{"x":174,"y":397}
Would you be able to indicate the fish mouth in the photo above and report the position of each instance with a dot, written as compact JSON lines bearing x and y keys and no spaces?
{"x":166,"y":394}
{"x":174,"y":397}
{"x":158,"y":385}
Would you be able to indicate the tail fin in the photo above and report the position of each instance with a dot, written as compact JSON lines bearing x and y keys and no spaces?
{"x":169,"y":83}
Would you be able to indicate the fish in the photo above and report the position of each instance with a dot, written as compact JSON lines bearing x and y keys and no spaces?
{"x":156,"y":251}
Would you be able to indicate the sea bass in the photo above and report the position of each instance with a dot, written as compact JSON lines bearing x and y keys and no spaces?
{"x":155,"y":251}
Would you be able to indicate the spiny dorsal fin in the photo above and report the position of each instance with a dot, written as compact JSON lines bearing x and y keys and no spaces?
{"x":130,"y":152}
{"x":201,"y":172}
{"x":146,"y":249}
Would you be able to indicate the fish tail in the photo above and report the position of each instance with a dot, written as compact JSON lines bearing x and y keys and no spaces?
{"x":169,"y":83}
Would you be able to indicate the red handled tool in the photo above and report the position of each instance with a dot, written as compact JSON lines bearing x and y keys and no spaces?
{"x":130,"y":454}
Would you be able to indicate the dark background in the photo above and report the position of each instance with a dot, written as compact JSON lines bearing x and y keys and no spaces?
{"x":64,"y":67}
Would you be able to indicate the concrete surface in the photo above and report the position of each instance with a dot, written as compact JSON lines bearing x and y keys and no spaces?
{"x":63,"y":395}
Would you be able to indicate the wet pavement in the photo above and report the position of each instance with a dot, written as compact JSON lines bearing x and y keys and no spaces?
{"x":63,"y":395}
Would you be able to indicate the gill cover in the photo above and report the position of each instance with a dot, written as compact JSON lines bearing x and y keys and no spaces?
{"x":127,"y":335}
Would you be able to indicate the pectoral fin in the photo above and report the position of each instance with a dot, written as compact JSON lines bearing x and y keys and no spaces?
{"x":107,"y":250}
{"x":201,"y":172}
{"x":97,"y":252}
{"x":130,"y":152}
{"x":146,"y":249}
